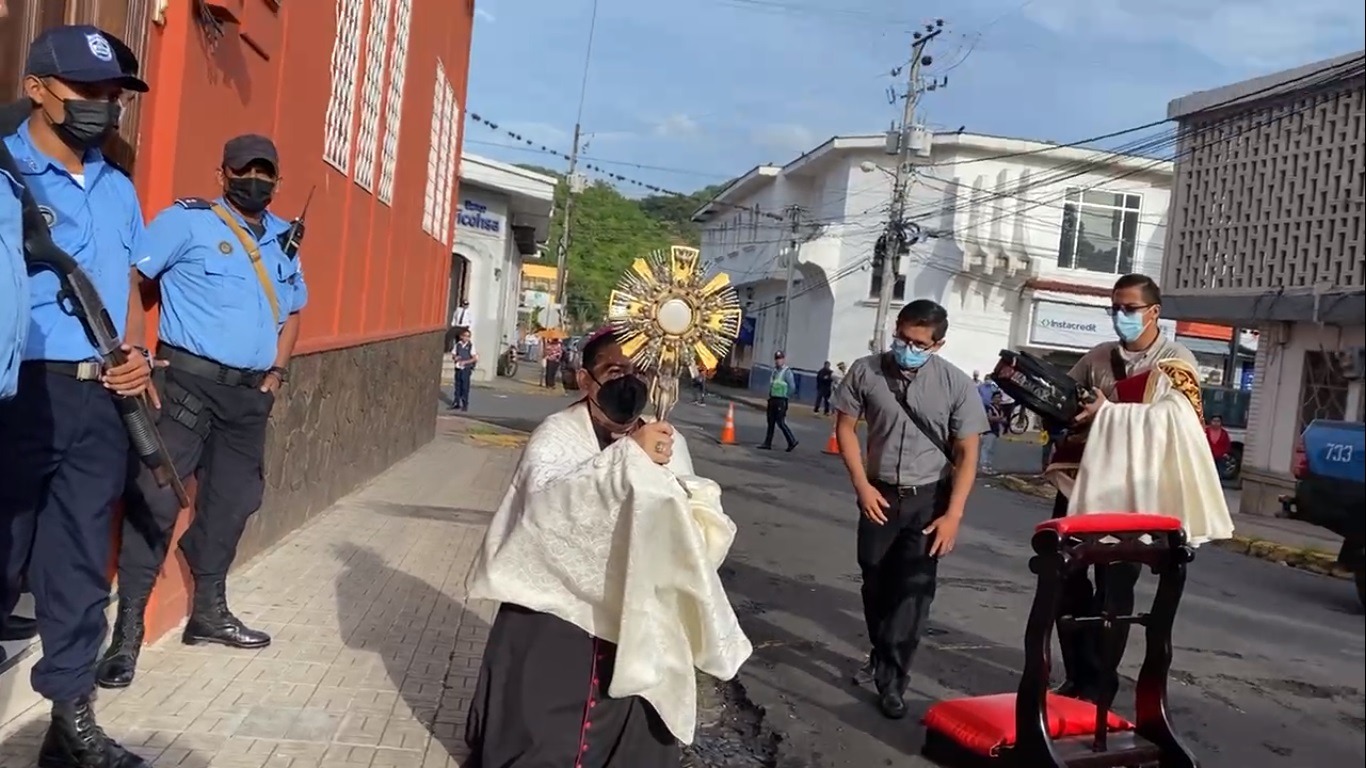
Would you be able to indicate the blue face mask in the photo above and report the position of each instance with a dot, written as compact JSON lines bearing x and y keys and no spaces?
{"x":1129,"y":325}
{"x":907,"y":356}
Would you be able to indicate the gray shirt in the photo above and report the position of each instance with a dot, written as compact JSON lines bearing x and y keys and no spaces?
{"x":898,"y":452}
{"x":1094,"y":369}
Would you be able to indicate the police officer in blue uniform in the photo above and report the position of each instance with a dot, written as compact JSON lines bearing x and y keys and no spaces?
{"x":65,"y":450}
{"x":13,"y":286}
{"x":231,"y":293}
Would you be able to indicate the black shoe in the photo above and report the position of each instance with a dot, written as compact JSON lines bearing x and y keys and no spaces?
{"x":75,"y":740}
{"x":16,"y":628}
{"x":120,"y":662}
{"x":211,"y":621}
{"x":892,"y":704}
{"x":765,"y":447}
{"x":791,"y":447}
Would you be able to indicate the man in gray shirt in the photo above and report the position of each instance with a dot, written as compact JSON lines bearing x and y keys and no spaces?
{"x":1136,"y":304}
{"x":924,"y":424}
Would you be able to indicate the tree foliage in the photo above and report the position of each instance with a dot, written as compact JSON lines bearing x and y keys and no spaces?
{"x":611,"y":230}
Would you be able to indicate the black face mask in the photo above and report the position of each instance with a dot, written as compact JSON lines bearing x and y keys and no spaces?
{"x":88,"y":122}
{"x":622,"y":399}
{"x":250,"y":194}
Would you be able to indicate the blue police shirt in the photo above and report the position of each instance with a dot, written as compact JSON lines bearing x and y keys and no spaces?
{"x":97,"y":220}
{"x":14,"y":298}
{"x":212,"y":302}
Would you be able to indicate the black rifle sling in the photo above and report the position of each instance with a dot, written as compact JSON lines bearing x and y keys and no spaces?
{"x":899,"y":387}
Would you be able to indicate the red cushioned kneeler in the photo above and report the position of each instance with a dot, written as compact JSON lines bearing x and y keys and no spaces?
{"x":1034,"y":728}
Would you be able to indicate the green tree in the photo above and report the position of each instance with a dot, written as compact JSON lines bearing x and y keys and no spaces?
{"x":609,"y":232}
{"x":674,"y":212}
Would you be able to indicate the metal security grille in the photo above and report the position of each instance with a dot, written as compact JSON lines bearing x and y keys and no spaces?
{"x":372,"y":94}
{"x":1323,"y":390}
{"x":1273,"y":198}
{"x":341,"y":106}
{"x":393,"y":105}
{"x":431,"y":197}
{"x":449,"y":163}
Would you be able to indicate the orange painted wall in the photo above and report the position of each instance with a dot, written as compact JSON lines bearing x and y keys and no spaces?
{"x":372,"y":272}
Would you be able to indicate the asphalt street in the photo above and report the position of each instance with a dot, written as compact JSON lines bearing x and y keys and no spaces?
{"x":1270,"y":662}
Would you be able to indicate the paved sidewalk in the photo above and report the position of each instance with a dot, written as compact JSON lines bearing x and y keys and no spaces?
{"x":375,"y":650}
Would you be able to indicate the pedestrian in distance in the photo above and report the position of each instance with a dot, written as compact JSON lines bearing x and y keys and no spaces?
{"x":65,"y":449}
{"x":925,"y":422}
{"x":825,"y":382}
{"x":466,"y":358}
{"x":554,"y":354}
{"x":781,"y":387}
{"x":996,"y":421}
{"x":232,"y":290}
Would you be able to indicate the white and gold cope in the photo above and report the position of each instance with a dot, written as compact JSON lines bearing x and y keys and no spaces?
{"x":667,"y":313}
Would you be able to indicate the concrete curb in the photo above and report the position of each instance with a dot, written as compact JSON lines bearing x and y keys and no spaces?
{"x":1303,"y":558}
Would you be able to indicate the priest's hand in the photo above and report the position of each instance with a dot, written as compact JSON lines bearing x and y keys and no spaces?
{"x":1088,"y":411}
{"x":656,"y":438}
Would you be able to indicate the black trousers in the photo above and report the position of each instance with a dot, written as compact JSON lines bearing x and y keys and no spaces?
{"x":552,"y":373}
{"x":777,"y":418}
{"x":1091,"y":656}
{"x":63,"y":458}
{"x":899,"y":578}
{"x":823,"y":399}
{"x":226,"y":455}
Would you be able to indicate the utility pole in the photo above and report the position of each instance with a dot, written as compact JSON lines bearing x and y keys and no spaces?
{"x":896,"y":226}
{"x":562,"y":250}
{"x":794,"y":212}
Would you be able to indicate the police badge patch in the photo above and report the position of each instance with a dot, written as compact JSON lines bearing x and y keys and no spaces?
{"x":224,"y":248}
{"x":49,"y":216}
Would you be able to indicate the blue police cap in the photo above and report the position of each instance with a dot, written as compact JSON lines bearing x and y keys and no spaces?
{"x":82,"y":54}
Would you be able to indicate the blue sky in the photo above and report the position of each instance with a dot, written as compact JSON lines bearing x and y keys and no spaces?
{"x":685,"y":93}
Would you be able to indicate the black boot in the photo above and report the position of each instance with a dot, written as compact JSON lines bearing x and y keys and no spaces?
{"x":211,"y":621}
{"x":74,"y":740}
{"x":120,"y":662}
{"x":14,"y":628}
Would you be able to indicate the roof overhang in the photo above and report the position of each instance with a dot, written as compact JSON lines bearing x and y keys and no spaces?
{"x":1259,"y":88}
{"x":752,"y":181}
{"x":530,"y":195}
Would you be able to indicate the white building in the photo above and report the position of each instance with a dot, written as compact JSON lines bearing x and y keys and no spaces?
{"x":1266,"y":232}
{"x":502,"y":213}
{"x":1031,"y":237}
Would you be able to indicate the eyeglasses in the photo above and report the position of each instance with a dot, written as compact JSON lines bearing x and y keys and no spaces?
{"x":1115,"y":309}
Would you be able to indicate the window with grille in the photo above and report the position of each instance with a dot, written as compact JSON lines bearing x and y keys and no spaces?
{"x":393,"y":104}
{"x":341,"y":105}
{"x":1099,"y":231}
{"x":372,"y":92}
{"x":441,"y":159}
{"x":1323,"y":389}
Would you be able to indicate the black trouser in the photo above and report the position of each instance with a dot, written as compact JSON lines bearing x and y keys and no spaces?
{"x":1090,"y":655}
{"x":552,"y":373}
{"x":823,"y":399}
{"x":63,"y":459}
{"x":898,"y":578}
{"x":777,"y":418}
{"x":225,"y":452}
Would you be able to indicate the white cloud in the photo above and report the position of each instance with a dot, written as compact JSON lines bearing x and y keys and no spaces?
{"x":483,"y":15}
{"x":1252,"y":34}
{"x":676,"y":126}
{"x":784,"y":137}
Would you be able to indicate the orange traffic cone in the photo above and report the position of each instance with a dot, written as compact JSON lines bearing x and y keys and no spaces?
{"x":832,"y":446}
{"x":728,"y":431}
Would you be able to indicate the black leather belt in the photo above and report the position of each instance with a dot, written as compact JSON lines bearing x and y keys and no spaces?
{"x":86,"y":370}
{"x":903,"y":491}
{"x":188,"y":362}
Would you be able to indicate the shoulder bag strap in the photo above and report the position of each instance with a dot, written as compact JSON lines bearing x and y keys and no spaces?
{"x":899,"y":388}
{"x":254,"y":253}
{"x":1117,"y":367}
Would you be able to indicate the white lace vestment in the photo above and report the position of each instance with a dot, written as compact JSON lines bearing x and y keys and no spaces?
{"x":627,"y":551}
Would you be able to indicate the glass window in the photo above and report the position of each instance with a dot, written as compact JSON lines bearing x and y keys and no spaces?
{"x":1099,"y":232}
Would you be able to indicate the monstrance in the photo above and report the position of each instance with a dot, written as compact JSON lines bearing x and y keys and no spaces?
{"x":667,"y":314}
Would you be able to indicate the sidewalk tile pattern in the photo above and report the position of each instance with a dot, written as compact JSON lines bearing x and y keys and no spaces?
{"x":375,"y":649}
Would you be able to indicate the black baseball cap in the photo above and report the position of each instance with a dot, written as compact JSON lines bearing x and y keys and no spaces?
{"x":80,"y":53}
{"x":241,"y":151}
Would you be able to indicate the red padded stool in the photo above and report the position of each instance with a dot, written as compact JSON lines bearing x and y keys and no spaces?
{"x":1034,"y":728}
